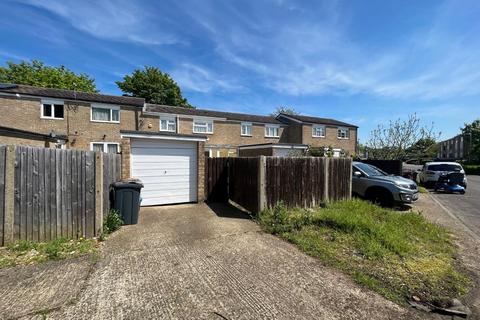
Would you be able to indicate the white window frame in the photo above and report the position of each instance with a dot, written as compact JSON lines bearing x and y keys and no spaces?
{"x":274,"y":126}
{"x":51,"y":102}
{"x":168,"y":120}
{"x":246,"y":124}
{"x":347,"y":133}
{"x":314,"y":133}
{"x":105,"y":145}
{"x":110,"y":107}
{"x":206,"y":121}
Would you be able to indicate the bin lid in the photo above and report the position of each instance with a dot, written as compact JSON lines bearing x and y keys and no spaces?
{"x":128,"y":184}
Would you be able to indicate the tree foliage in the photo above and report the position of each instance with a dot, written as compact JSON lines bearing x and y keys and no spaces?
{"x":472,"y":133}
{"x":285,"y":110}
{"x":154,"y":86}
{"x":36,"y":73}
{"x":400,"y":137}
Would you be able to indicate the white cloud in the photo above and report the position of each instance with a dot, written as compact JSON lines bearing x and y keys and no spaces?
{"x":119,"y":20}
{"x":195,"y":78}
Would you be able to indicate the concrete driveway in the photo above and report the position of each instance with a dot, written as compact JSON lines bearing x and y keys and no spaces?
{"x":197,"y":262}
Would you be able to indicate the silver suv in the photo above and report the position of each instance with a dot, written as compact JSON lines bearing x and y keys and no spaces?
{"x":371,"y":183}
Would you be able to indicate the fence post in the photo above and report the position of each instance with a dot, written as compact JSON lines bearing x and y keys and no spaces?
{"x":262,"y":194}
{"x":9,"y":195}
{"x":98,"y":193}
{"x":350,"y":173}
{"x":327,"y":177}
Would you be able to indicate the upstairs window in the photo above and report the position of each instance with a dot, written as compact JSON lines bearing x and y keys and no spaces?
{"x":202,"y":126}
{"x":318,"y":131}
{"x":343,"y":133}
{"x":105,"y":114}
{"x":168,"y":124}
{"x":52,"y":109}
{"x":246,"y":129}
{"x":272,"y":131}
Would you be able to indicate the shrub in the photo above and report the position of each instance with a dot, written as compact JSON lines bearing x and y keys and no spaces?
{"x":472,"y":169}
{"x":112,"y":222}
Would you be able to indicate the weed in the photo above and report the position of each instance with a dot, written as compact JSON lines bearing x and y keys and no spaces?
{"x":399,"y":255}
{"x":112,"y":222}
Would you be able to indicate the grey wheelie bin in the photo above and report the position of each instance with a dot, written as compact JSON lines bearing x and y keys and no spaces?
{"x":126,"y":200}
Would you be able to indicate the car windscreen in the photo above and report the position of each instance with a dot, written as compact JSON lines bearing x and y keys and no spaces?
{"x":444,"y":167}
{"x":370,"y":170}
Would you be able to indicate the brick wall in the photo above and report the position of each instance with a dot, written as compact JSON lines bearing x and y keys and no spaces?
{"x":24,"y":113}
{"x":201,"y":171}
{"x":330,"y":139}
{"x":126,"y":157}
{"x":24,"y":142}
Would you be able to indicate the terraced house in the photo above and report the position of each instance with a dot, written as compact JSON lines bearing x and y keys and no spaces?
{"x":164,"y":146}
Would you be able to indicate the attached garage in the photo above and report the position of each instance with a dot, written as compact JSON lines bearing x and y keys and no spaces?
{"x":168,"y":166}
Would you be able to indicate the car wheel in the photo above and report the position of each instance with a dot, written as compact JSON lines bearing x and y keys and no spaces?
{"x":381,"y":197}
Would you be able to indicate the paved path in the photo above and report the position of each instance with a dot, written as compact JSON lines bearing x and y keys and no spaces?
{"x":464,"y":207}
{"x":187,"y":262}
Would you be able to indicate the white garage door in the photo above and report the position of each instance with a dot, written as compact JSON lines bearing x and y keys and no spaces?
{"x":168,"y":170}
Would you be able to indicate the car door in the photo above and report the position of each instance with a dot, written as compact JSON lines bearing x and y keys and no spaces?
{"x":357,"y":183}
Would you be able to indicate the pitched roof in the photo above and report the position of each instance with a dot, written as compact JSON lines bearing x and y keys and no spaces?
{"x":316,"y":120}
{"x":210,"y":113}
{"x":70,"y":95}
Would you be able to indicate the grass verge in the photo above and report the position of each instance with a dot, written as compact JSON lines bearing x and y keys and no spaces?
{"x":28,"y":252}
{"x":422,"y":189}
{"x":399,"y":255}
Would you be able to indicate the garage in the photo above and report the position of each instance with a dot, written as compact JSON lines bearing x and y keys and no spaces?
{"x":167,"y":168}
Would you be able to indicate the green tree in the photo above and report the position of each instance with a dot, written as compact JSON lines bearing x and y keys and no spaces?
{"x":154,"y":86}
{"x":392,"y":142}
{"x":285,"y":110}
{"x":36,"y":73}
{"x":472,"y":133}
{"x":423,"y":149}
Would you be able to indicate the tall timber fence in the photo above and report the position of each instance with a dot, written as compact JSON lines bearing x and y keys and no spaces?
{"x":261,"y":182}
{"x":47,"y":194}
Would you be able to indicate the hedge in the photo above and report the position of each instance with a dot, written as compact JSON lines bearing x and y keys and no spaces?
{"x":472,"y":169}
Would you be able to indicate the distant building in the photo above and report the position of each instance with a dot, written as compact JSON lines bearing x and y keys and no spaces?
{"x":456,"y":148}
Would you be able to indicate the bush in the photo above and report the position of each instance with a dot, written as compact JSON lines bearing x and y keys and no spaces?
{"x":471,"y":169}
{"x":112,"y":222}
{"x":397,"y":254}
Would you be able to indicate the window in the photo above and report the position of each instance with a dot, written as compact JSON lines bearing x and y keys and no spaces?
{"x":167,"y":124}
{"x":318,"y":131}
{"x":246,"y":129}
{"x":105,"y":114}
{"x":343,"y":133}
{"x":271,"y":131}
{"x":52,"y":109}
{"x":108,"y":147}
{"x":202,"y":126}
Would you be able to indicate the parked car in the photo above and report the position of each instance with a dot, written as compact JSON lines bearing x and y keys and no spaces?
{"x":431,"y":172}
{"x":371,"y":183}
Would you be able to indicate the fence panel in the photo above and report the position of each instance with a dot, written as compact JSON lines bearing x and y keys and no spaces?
{"x":111,"y":174}
{"x":2,"y":191}
{"x":297,"y":182}
{"x":339,"y":178}
{"x":216,"y":179}
{"x":243,"y":182}
{"x":389,"y":166}
{"x":54,"y":194}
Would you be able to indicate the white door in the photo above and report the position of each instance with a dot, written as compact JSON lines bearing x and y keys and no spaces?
{"x":168,"y":170}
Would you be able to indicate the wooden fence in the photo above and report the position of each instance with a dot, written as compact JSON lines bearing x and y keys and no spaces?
{"x":47,"y":194}
{"x":257,"y":183}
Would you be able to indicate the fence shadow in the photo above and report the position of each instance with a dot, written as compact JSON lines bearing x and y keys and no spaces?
{"x":227,"y":210}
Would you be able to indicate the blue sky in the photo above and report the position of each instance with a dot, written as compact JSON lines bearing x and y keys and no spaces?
{"x":364,"y":62}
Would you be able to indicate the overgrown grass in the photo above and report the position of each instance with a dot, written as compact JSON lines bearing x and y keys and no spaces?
{"x":422,"y":189}
{"x":28,"y":252}
{"x":399,"y":255}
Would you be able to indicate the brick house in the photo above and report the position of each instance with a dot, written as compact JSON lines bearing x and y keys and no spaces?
{"x":163,"y":146}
